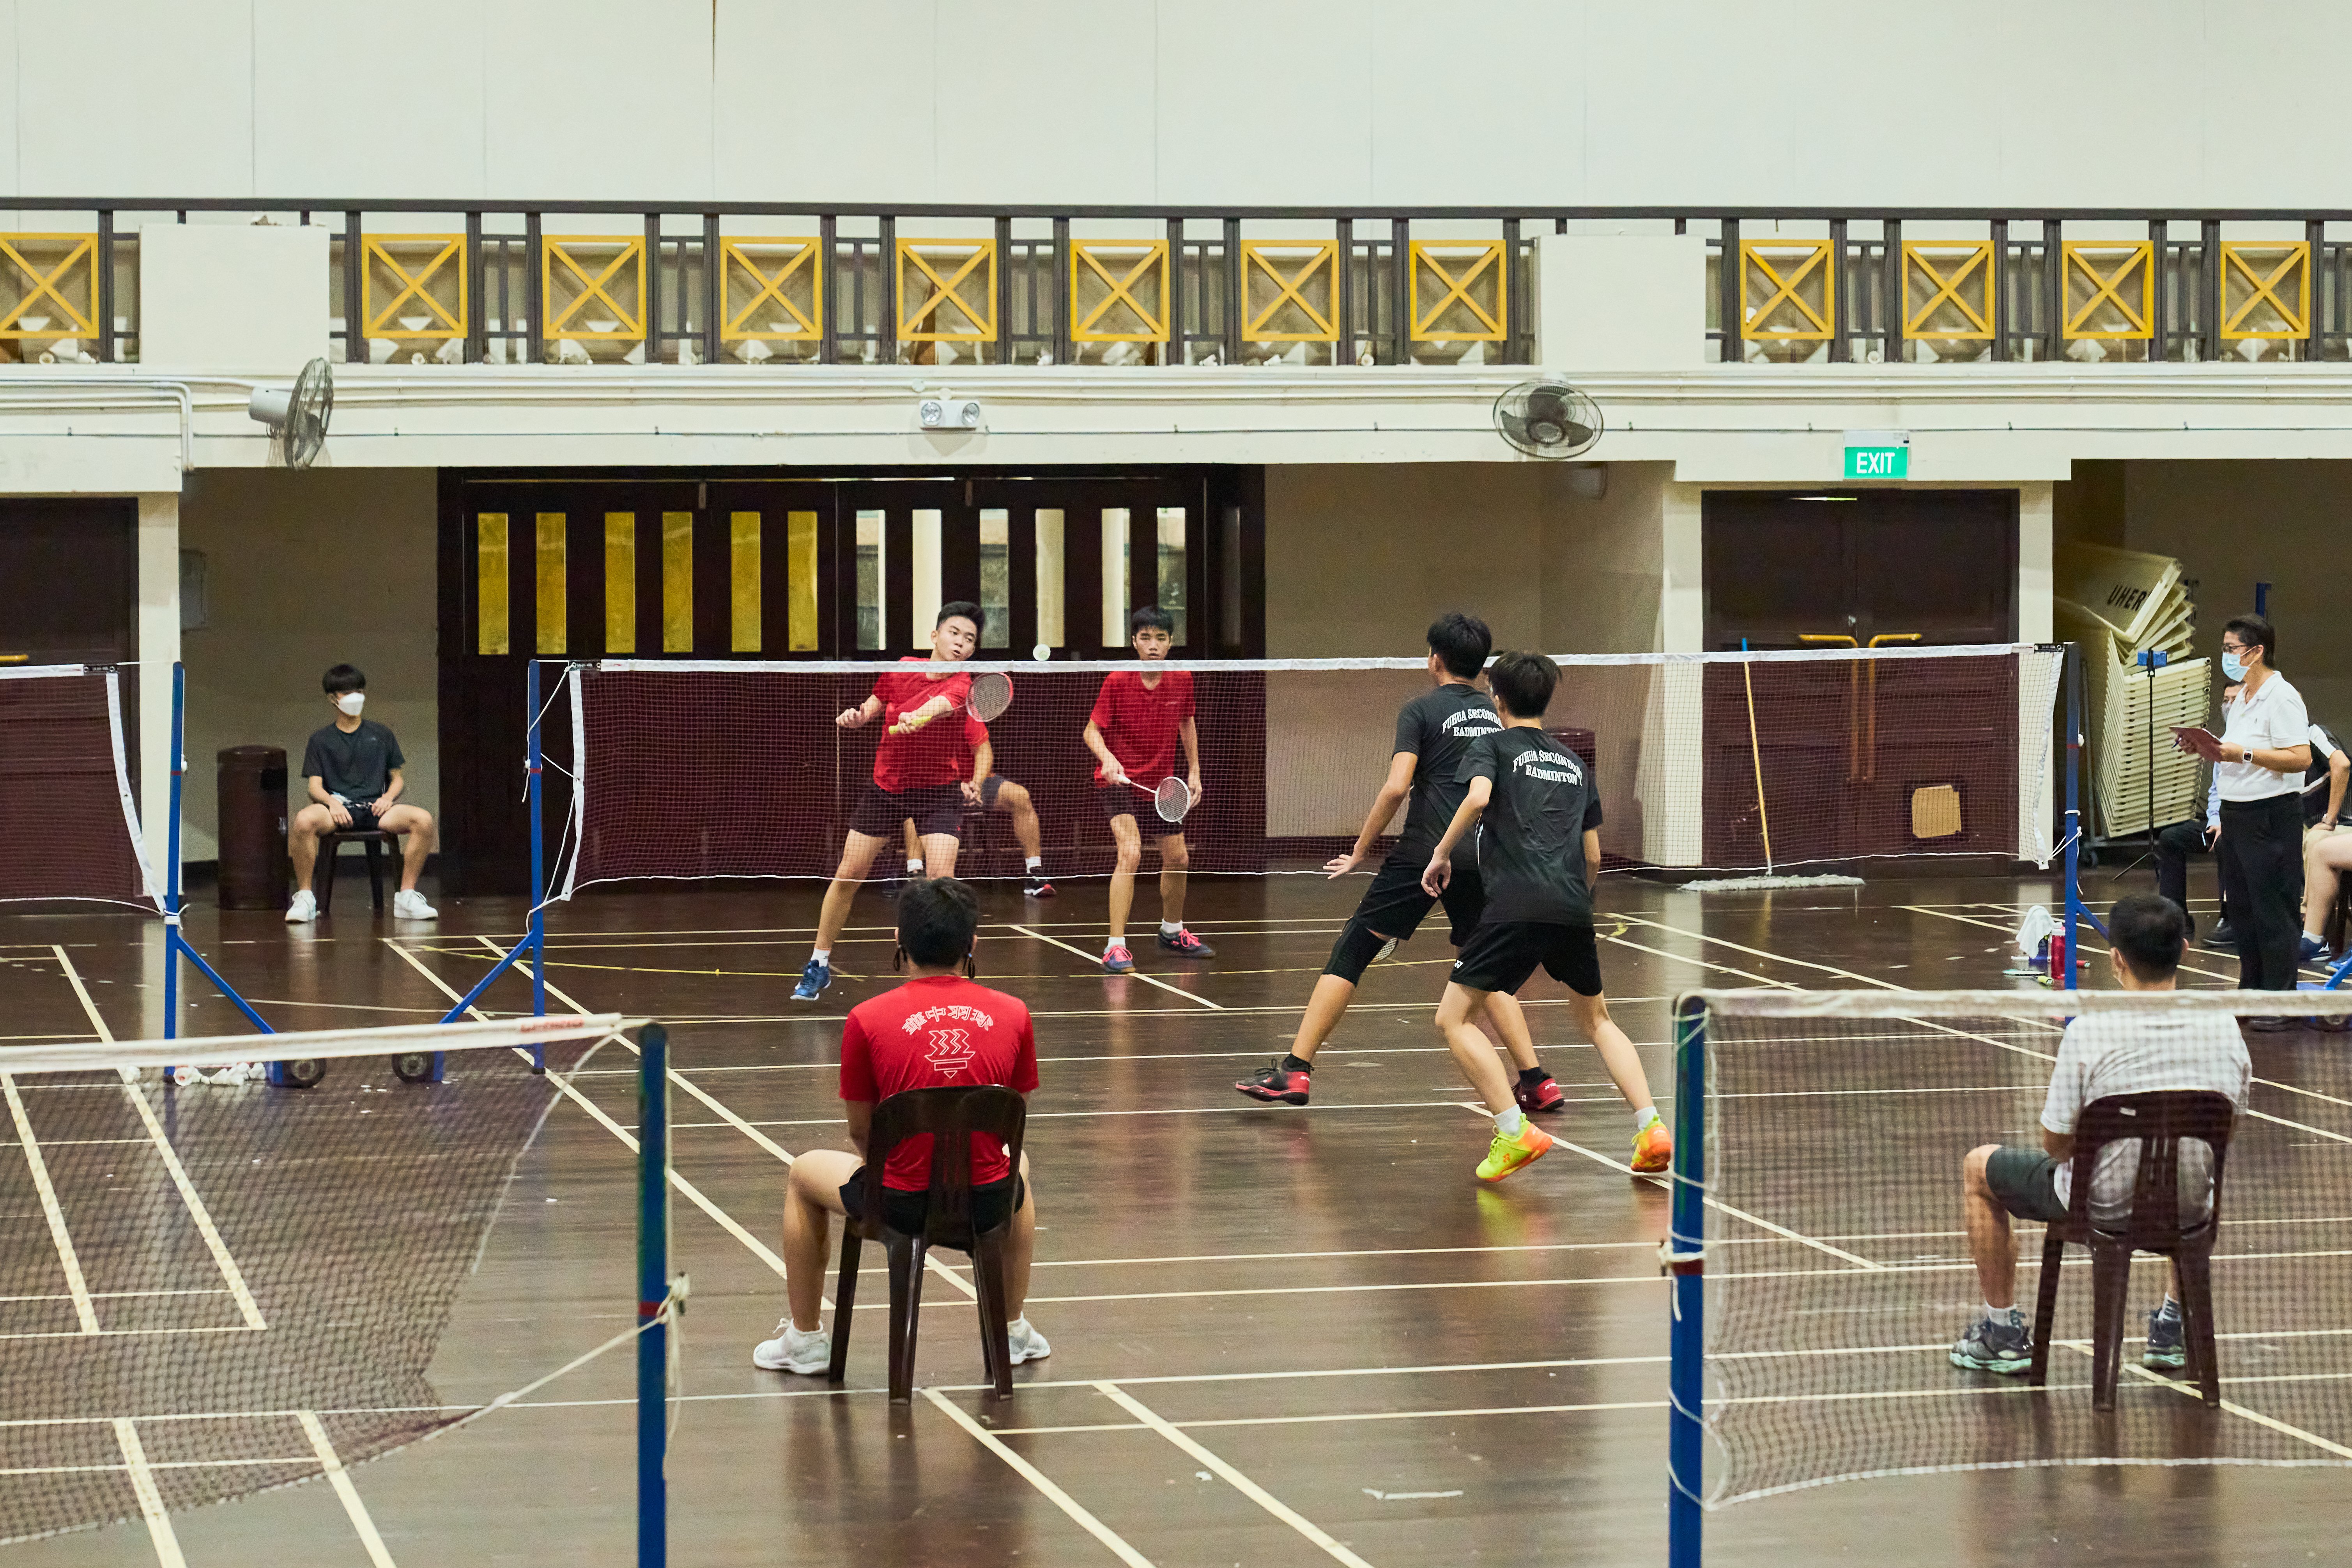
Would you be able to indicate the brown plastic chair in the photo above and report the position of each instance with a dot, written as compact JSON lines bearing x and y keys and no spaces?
{"x":951,"y":1116}
{"x":2160,"y":1120}
{"x":374,"y":841}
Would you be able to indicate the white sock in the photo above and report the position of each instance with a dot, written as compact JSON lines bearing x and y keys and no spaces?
{"x":822,"y":954}
{"x":1509,"y":1122}
{"x":1170,"y":928}
{"x":914,"y":868}
{"x":2000,"y":1314}
{"x":1115,"y":941}
{"x":1645,"y":1116}
{"x":1034,"y":862}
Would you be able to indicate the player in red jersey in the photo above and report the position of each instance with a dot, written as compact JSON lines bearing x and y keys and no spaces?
{"x":916,"y":775}
{"x":1139,"y":717}
{"x":937,"y":1029}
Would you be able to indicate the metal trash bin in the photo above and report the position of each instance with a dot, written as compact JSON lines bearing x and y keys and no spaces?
{"x":254,"y":872}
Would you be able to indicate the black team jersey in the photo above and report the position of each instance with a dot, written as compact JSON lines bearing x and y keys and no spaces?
{"x":1437,"y":728}
{"x":1531,"y":838}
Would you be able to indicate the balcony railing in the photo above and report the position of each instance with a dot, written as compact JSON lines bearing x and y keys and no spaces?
{"x":599,"y":282}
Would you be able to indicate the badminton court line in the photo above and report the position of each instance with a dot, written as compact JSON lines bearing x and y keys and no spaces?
{"x":151,"y":1501}
{"x":230,"y":1273}
{"x":2191,"y":1390}
{"x":1240,"y":1482}
{"x":970,"y":1291}
{"x":2004,"y":930}
{"x":346,"y":1492}
{"x":1138,"y":974}
{"x":1038,"y":1479}
{"x":76,"y":1285}
{"x":693,"y":1194}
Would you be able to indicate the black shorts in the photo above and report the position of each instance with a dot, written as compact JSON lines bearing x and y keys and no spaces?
{"x":2025,"y":1181}
{"x":1501,"y":957}
{"x":1394,"y":905}
{"x":992,"y":1204}
{"x":935,"y":808}
{"x":363,"y":819}
{"x":1128,"y":800}
{"x":988,"y":788}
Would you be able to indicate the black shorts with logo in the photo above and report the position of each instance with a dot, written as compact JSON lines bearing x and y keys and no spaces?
{"x":1395,"y":905}
{"x":935,"y":808}
{"x":991,"y":1204}
{"x":1501,"y":957}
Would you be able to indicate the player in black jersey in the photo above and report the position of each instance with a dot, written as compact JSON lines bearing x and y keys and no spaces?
{"x":1432,"y":733}
{"x":1533,"y":805}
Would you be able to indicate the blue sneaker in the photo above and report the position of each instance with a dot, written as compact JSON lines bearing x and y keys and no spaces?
{"x":2004,"y":1345}
{"x":2168,"y":1342}
{"x":1117,"y":960}
{"x":815,"y":975}
{"x":2314,"y":951}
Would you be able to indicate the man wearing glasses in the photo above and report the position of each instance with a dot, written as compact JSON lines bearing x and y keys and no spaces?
{"x":2265,"y":747}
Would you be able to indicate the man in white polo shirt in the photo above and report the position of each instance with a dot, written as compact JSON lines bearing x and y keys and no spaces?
{"x":2265,"y":747}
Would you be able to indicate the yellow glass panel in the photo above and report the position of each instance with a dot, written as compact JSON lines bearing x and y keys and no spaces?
{"x":620,"y":582}
{"x":800,"y":558}
{"x":490,"y":582}
{"x":553,"y":617}
{"x":743,"y":579}
{"x":677,"y":581}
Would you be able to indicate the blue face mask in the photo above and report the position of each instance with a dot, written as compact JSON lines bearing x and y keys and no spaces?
{"x":2233,"y":665}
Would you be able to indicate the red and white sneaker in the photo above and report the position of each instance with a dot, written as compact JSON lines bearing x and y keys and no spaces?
{"x":1539,"y":1096}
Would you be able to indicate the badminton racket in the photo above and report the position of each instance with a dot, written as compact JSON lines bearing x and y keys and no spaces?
{"x":1172,"y":800}
{"x":990,"y":696}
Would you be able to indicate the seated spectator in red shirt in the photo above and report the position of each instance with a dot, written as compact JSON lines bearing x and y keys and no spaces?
{"x":938,"y":1029}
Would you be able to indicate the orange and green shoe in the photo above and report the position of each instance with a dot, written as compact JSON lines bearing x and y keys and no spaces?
{"x":1512,"y":1149}
{"x":1654,"y":1148}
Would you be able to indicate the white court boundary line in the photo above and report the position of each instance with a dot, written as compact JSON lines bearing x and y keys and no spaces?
{"x":151,"y":1501}
{"x":1096,"y":959}
{"x":346,"y":1492}
{"x":1238,"y":1481}
{"x":76,"y":1285}
{"x":1044,"y":1484}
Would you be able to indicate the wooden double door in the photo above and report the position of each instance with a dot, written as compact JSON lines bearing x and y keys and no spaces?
{"x":1860,"y":758}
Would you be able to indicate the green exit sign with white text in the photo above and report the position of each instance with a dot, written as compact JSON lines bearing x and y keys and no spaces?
{"x":1878,"y":454}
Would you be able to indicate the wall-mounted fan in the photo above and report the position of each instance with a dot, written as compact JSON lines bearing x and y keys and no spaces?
{"x":297,"y":415}
{"x":1548,"y":419}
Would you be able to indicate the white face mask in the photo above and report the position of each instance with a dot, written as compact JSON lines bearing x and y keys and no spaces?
{"x":351,"y":702}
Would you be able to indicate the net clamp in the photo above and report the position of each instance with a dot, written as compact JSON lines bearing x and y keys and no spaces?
{"x":1680,"y":1263}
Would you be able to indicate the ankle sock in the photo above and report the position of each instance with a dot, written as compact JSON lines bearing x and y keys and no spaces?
{"x":1533,"y":1075}
{"x":1114,"y":941}
{"x":822,"y":954}
{"x":1170,"y":928}
{"x":2008,"y":1316}
{"x":1510,"y":1122}
{"x":1643,"y":1117}
{"x":914,"y":868}
{"x":1292,"y":1063}
{"x":1034,"y":862}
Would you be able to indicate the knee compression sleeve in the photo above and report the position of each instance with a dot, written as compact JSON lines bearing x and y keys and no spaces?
{"x":1359,"y":945}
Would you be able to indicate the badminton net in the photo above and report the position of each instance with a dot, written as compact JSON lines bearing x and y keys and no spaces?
{"x":211,"y":1291}
{"x":1838,"y":1277}
{"x":1735,"y":761}
{"x":66,"y":808}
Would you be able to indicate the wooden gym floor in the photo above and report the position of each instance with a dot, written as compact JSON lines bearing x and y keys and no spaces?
{"x":1280,"y":1336}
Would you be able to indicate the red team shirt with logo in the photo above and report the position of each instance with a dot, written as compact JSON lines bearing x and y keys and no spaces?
{"x":941,"y":1032}
{"x":1139,"y":723}
{"x":927,"y":758}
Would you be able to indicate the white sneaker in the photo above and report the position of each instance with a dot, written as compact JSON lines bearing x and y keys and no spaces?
{"x":303,"y":909}
{"x":408,"y":904}
{"x":1026,"y":1343}
{"x":793,"y":1351}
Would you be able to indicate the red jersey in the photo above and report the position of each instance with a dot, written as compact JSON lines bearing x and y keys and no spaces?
{"x":928,"y":757}
{"x":1139,"y":723}
{"x":944,"y":1031}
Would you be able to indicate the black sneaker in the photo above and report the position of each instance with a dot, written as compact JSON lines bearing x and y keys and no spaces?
{"x":2168,"y":1342}
{"x":1277,"y":1087}
{"x":1995,"y":1346}
{"x":2222,"y":937}
{"x":1034,"y":886}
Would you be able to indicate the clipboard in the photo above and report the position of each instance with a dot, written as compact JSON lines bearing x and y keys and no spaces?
{"x":2198,"y":739}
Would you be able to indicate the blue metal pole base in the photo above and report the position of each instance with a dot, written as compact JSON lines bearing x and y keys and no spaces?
{"x":653,"y":1297}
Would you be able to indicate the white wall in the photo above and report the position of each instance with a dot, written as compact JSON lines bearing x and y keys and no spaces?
{"x":1274,"y":102}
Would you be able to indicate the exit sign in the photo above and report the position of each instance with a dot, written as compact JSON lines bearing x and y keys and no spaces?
{"x":1878,"y":454}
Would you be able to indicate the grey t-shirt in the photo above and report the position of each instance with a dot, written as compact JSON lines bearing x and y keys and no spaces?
{"x":1437,"y":728}
{"x":356,"y":764}
{"x":2122,"y":1053}
{"x":1531,"y":840}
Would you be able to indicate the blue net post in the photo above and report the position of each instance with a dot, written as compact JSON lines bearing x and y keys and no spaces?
{"x":1685,"y":1263}
{"x":172,"y":860}
{"x":653,"y":1292}
{"x":537,"y":867}
{"x":2073,"y":658}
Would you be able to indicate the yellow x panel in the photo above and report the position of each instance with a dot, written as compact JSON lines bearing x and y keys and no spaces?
{"x":1945,"y":270}
{"x":978,"y":256}
{"x":80,"y":250}
{"x":1311,"y":261}
{"x":1484,"y":262}
{"x":628,"y":251}
{"x":1802,"y":259}
{"x":746,"y":260}
{"x":2104,"y":284}
{"x":1148,"y":269}
{"x":2245,"y":285}
{"x":386,"y":252}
